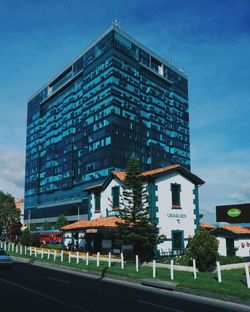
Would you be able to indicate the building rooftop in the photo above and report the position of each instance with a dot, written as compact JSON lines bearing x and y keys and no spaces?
{"x":207,"y":226}
{"x":93,"y":43}
{"x":235,"y":229}
{"x":121,"y":175}
{"x":101,"y":222}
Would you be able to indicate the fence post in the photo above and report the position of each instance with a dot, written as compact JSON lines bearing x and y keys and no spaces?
{"x":48,"y":254}
{"x":154,"y":269}
{"x":30,"y":251}
{"x":136,"y":263}
{"x":172,"y":269}
{"x":21,"y":249}
{"x":87,"y":258}
{"x":54,"y":255}
{"x":218,"y":271}
{"x":8,"y":246}
{"x":109,"y":260}
{"x":77,"y":257}
{"x":69,"y":257}
{"x":98,"y":259}
{"x":42,"y":254}
{"x":16,"y":248}
{"x":61,"y":255}
{"x":247,"y":275}
{"x":25,"y":250}
{"x":122,"y":261}
{"x":5,"y":246}
{"x":13,"y":245}
{"x":194,"y":267}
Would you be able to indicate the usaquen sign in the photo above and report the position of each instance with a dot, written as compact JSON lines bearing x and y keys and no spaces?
{"x":239,"y":213}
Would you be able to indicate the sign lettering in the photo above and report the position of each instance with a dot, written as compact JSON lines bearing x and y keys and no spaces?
{"x":234,"y":212}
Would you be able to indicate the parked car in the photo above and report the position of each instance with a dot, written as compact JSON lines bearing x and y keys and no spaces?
{"x":5,"y":259}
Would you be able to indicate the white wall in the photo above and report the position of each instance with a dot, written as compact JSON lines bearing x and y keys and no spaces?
{"x":67,"y":238}
{"x":105,"y":203}
{"x":222,"y":249}
{"x":242,"y":251}
{"x":175,"y":219}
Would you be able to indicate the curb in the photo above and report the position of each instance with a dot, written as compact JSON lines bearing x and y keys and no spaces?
{"x":159,"y":284}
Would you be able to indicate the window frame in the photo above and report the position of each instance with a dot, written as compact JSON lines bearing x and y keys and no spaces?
{"x":116,"y":200}
{"x":97,"y":197}
{"x":176,"y":204}
{"x":181,"y":232}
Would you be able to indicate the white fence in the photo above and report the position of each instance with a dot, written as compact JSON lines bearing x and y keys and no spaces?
{"x":54,"y":254}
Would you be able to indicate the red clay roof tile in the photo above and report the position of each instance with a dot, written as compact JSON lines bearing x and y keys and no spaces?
{"x":236,"y":229}
{"x":207,"y":226}
{"x":120,"y":175}
{"x":100,"y":222}
{"x":159,"y":170}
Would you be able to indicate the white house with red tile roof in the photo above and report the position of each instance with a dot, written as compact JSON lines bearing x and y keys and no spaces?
{"x":173,"y":198}
{"x":233,"y":240}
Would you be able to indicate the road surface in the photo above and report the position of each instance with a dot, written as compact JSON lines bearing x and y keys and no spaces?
{"x":29,"y":287}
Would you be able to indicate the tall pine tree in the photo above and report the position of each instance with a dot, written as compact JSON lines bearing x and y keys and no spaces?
{"x":61,"y":221}
{"x":136,"y":228}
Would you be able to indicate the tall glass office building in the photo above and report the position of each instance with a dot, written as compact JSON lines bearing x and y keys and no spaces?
{"x":117,"y":99}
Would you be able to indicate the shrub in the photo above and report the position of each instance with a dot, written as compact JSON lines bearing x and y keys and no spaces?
{"x":232,"y":259}
{"x":28,"y":240}
{"x":203,"y":247}
{"x":179,"y":260}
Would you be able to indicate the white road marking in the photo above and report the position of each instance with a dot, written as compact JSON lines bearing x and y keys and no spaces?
{"x":57,"y":279}
{"x":159,"y":306}
{"x":43,"y":295}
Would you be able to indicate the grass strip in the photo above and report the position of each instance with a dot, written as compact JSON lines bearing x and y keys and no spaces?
{"x":233,"y":281}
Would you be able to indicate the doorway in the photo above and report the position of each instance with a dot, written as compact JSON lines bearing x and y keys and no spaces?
{"x":230,"y":247}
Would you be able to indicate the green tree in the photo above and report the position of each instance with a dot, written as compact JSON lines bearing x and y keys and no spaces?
{"x":136,"y":228}
{"x":61,"y":221}
{"x":26,"y":238}
{"x":33,"y":227}
{"x":203,"y":247}
{"x":46,"y":225}
{"x":9,"y":214}
{"x":16,"y":231}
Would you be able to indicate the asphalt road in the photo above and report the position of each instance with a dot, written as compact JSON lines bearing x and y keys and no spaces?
{"x":28,"y":287}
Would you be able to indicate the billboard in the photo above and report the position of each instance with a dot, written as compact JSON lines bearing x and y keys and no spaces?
{"x":239,"y":213}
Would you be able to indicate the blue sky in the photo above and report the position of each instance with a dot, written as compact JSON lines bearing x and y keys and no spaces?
{"x":209,"y":40}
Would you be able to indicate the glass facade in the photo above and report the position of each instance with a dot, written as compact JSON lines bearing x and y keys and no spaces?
{"x":116,"y":100}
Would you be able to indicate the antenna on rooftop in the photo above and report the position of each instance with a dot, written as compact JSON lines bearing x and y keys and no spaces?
{"x":116,"y":23}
